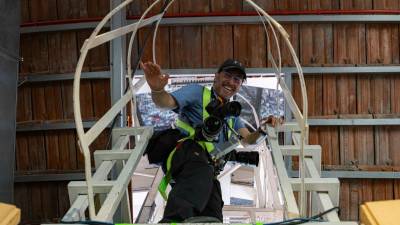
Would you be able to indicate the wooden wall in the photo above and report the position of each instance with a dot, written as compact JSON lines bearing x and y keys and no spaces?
{"x":205,"y":46}
{"x":55,"y":151}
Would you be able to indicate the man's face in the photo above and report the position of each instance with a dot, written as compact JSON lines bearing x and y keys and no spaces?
{"x":227,"y":84}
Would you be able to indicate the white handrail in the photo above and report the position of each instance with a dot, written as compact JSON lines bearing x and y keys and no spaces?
{"x":300,"y":117}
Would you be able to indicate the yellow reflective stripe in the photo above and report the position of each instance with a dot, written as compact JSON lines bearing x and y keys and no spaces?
{"x":230,"y":124}
{"x":185,"y":126}
{"x":206,"y":100}
{"x":162,"y":187}
{"x":209,"y":146}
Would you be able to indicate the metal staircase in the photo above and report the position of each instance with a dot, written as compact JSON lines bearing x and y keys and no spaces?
{"x":105,"y":195}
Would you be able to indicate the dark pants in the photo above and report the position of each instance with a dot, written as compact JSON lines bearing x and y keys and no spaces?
{"x":196,"y":192}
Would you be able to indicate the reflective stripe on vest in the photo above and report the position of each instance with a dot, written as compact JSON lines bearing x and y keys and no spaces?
{"x":189,"y":129}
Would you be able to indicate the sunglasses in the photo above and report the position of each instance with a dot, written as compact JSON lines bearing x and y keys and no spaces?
{"x":236,"y":78}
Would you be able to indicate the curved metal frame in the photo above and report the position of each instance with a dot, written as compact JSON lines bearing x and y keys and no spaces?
{"x":86,"y":138}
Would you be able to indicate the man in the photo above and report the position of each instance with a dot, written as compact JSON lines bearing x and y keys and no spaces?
{"x":196,"y":191}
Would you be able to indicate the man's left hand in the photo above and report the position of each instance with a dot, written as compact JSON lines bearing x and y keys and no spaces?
{"x":272,"y":121}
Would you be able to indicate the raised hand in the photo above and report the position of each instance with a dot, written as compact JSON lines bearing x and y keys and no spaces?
{"x":155,"y":79}
{"x":272,"y":121}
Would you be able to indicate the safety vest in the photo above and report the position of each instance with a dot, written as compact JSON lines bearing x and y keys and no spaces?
{"x":190,"y":130}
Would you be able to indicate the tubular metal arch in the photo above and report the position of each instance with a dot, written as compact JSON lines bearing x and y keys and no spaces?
{"x":86,"y":138}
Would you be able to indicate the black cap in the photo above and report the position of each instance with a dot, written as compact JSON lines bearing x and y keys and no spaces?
{"x":231,"y":64}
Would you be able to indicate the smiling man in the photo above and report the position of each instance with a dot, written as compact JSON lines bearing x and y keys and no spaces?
{"x":196,"y":191}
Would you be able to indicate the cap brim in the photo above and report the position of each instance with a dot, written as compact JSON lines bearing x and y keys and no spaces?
{"x":236,"y":68}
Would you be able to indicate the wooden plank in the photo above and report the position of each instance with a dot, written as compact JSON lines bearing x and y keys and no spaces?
{"x":328,"y":138}
{"x":54,"y":107}
{"x":82,"y":35}
{"x":101,"y":141}
{"x":79,"y":156}
{"x":26,"y":54}
{"x":49,"y":195}
{"x":67,"y":98}
{"x":98,"y":8}
{"x":69,"y":52}
{"x":316,"y":44}
{"x":330,"y":101}
{"x":383,"y":189}
{"x":355,"y":4}
{"x":72,"y":9}
{"x":185,"y":46}
{"x":356,"y":143}
{"x":43,"y":10}
{"x":364,"y":94}
{"x":382,"y":43}
{"x":55,"y":53}
{"x":380,"y":93}
{"x":191,"y":6}
{"x":52,"y":150}
{"x":67,"y":150}
{"x":36,"y":206}
{"x":25,"y":12}
{"x":354,"y":189}
{"x":346,"y":94}
{"x":37,"y":152}
{"x":319,"y":4}
{"x":22,"y":160}
{"x":161,"y":46}
{"x":344,"y":199}
{"x":395,"y":94}
{"x":24,"y":104}
{"x":349,"y":44}
{"x":286,"y":57}
{"x":86,"y":99}
{"x":225,"y":6}
{"x":270,"y":5}
{"x":22,"y":201}
{"x":217,"y":45}
{"x":386,"y":4}
{"x":367,"y":191}
{"x":397,"y":189}
{"x":136,"y":8}
{"x":382,"y":148}
{"x":314,"y":94}
{"x":38,"y":102}
{"x":250,"y":45}
{"x":99,"y":58}
{"x":40,"y":56}
{"x":329,"y":135}
{"x":63,"y":201}
{"x":101,"y":97}
{"x":135,"y":47}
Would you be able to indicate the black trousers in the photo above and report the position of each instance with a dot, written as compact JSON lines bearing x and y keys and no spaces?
{"x":196,"y":192}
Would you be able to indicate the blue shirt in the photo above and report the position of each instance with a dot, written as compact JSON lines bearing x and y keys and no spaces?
{"x":190,"y":107}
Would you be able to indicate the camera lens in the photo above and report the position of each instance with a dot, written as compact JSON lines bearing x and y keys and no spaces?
{"x":231,"y":109}
{"x":212,"y":127}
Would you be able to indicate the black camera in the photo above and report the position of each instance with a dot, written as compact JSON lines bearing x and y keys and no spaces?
{"x":213,"y":124}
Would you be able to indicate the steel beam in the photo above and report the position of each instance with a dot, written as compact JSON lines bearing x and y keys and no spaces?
{"x":225,"y":20}
{"x":286,"y":70}
{"x":118,"y":59}
{"x":48,"y":177}
{"x":289,"y":70}
{"x":46,"y":125}
{"x":351,"y":174}
{"x":64,"y":76}
{"x":282,"y":19}
{"x":353,"y":122}
{"x":59,"y":27}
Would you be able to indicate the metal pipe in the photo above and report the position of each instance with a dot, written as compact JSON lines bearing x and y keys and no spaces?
{"x":210,"y":14}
